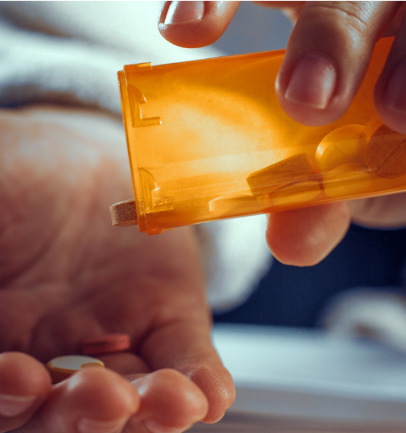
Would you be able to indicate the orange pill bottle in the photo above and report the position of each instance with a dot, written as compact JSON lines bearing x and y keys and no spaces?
{"x":207,"y":140}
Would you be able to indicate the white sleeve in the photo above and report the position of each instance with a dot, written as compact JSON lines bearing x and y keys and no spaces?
{"x":235,"y":257}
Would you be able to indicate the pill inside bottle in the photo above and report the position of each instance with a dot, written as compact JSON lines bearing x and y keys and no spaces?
{"x":207,"y":140}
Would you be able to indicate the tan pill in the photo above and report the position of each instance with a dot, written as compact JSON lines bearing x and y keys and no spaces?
{"x":342,"y":146}
{"x":293,"y":169}
{"x":346,"y":180}
{"x":385,"y":150}
{"x":124,"y":213}
{"x":230,"y":203}
{"x":64,"y":366}
{"x":299,"y":192}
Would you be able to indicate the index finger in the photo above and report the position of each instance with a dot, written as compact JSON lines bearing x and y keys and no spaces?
{"x":327,"y":56}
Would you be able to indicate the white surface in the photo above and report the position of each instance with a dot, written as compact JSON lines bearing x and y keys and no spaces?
{"x":311,"y":374}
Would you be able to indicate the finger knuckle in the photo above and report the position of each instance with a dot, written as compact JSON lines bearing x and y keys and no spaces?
{"x":354,"y":17}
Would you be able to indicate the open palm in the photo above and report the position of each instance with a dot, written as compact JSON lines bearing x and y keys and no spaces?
{"x":66,"y":275}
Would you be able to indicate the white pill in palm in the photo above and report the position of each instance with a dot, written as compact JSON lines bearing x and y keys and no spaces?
{"x":64,"y":366}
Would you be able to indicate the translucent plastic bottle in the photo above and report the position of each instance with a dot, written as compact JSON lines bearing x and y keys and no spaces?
{"x":208,"y":140}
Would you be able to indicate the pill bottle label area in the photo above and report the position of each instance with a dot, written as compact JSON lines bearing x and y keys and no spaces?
{"x":207,"y":140}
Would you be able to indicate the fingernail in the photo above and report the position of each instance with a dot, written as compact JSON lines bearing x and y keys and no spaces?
{"x":312,"y":82}
{"x":155,"y":427}
{"x":184,"y":11}
{"x":86,"y":425}
{"x":13,"y":405}
{"x":395,"y":95}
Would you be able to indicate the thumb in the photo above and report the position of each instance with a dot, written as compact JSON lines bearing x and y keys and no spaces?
{"x":194,"y":24}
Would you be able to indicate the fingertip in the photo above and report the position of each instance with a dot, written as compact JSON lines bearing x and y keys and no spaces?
{"x":218,"y":386}
{"x":327,"y":57}
{"x":169,"y":399}
{"x":24,"y":385}
{"x":93,"y":399}
{"x":304,"y":237}
{"x":307,"y":90}
{"x":195,"y":24}
{"x":22,"y":374}
{"x":99,"y":391}
{"x":173,"y":13}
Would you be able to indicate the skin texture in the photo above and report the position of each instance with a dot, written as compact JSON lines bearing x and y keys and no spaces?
{"x":325,"y":62}
{"x":66,"y":275}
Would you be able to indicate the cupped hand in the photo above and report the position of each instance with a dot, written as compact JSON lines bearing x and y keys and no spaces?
{"x":325,"y":62}
{"x":66,"y":275}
